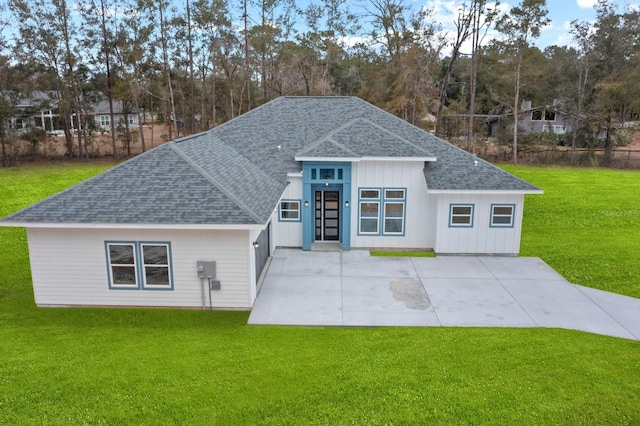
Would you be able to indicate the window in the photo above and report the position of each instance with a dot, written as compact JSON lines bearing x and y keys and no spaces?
{"x":549,"y":115}
{"x":104,"y":120}
{"x":155,"y":265}
{"x":394,"y":202}
{"x":555,"y":129}
{"x":139,"y":265}
{"x":369,"y":212}
{"x":290,"y":211}
{"x":502,"y":215}
{"x":122,"y":265}
{"x":461,"y":215}
{"x":386,"y":205}
{"x":543,"y":114}
{"x":327,"y":174}
{"x":369,"y":194}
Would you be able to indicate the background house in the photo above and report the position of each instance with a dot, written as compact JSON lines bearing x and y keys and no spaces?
{"x":99,"y":113}
{"x":37,"y":110}
{"x":541,"y":119}
{"x":40,"y":110}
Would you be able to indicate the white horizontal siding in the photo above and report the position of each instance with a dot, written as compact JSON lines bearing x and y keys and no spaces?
{"x":481,"y":238}
{"x":394,"y":174}
{"x":69,"y":267}
{"x":288,"y":234}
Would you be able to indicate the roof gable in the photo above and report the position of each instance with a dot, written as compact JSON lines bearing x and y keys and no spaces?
{"x":361,"y":137}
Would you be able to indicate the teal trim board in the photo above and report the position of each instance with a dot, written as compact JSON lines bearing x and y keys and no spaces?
{"x":326,"y":176}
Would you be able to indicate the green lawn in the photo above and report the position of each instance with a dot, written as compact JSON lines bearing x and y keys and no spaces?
{"x":155,"y":366}
{"x":586,"y":225}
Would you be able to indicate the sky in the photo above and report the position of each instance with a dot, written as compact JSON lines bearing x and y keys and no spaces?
{"x":561,"y":13}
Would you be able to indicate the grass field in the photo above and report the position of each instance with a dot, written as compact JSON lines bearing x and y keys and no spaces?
{"x":586,"y":225}
{"x":155,"y":366}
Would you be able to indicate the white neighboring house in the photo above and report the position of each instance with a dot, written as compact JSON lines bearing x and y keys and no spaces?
{"x":40,"y":110}
{"x":102,"y":118}
{"x":295,"y":172}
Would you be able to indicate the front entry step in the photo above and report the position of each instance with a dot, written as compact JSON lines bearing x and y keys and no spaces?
{"x":326,"y":246}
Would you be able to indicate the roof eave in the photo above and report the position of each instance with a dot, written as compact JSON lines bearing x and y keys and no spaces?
{"x":358,"y":159}
{"x":180,"y":226}
{"x":417,"y":159}
{"x":485,"y":191}
{"x":341,"y":159}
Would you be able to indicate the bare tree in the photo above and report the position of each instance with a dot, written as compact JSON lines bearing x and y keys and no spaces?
{"x":522,"y":24}
{"x":482,"y":16}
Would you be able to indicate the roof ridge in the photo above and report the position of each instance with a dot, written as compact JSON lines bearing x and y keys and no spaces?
{"x":339,"y":145}
{"x":214,"y":182}
{"x":404,"y":140}
{"x":321,"y":141}
{"x":238,"y":117}
{"x":117,"y":166}
{"x":328,"y":136}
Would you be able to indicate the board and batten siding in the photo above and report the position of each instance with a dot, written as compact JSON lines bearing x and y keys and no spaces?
{"x":481,"y":238}
{"x":288,"y":234}
{"x":394,"y":174}
{"x":69,"y":267}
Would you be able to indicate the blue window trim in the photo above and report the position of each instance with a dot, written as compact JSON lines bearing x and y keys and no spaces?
{"x":281,"y":219}
{"x":513,"y":216}
{"x":377,"y":200}
{"x":402,"y":201}
{"x":139,"y":265}
{"x":382,"y":202}
{"x":369,"y":200}
{"x":465,"y":225}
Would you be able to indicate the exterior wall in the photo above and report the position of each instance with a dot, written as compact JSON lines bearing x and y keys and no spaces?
{"x":118,"y":118}
{"x":288,"y":234}
{"x":431,"y":224}
{"x":537,"y":126}
{"x":394,"y":174}
{"x":481,"y":238}
{"x":69,"y":267}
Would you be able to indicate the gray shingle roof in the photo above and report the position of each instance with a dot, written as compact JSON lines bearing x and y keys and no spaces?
{"x":363,"y":138}
{"x":156,"y":187}
{"x":236,"y":173}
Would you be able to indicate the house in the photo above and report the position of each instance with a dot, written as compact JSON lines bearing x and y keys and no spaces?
{"x":100,"y":114}
{"x":206,"y":211}
{"x":40,"y":110}
{"x":541,"y":119}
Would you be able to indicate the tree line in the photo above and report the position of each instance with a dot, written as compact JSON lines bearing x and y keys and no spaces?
{"x":199,"y":63}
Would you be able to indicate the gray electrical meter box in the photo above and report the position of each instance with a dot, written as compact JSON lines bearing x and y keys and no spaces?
{"x":207,"y":269}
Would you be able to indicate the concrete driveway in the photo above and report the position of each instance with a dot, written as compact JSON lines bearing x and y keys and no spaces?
{"x":352,"y":288}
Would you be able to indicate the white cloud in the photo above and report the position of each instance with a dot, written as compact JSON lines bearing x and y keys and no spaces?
{"x":549,"y":27}
{"x":445,"y":12}
{"x":351,"y":41}
{"x":586,"y":4}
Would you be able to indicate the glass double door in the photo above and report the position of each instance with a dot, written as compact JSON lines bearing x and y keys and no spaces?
{"x":327,"y":215}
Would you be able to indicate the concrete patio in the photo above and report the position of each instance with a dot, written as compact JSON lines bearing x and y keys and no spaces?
{"x":352,"y":288}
